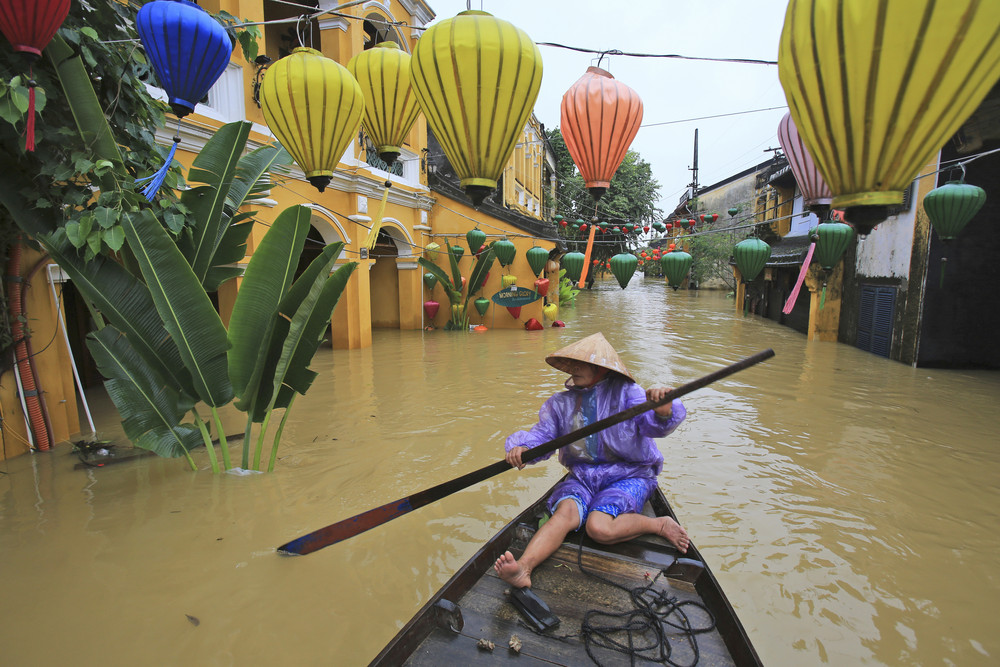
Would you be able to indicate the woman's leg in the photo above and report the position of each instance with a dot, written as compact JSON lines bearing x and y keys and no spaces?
{"x":606,"y":529}
{"x":543,"y":544}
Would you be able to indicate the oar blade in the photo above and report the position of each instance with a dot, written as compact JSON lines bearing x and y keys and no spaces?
{"x":342,"y":530}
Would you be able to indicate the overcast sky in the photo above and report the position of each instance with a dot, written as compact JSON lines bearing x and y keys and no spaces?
{"x":671,"y":89}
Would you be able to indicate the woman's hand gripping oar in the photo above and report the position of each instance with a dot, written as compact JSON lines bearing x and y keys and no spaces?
{"x":347,"y":528}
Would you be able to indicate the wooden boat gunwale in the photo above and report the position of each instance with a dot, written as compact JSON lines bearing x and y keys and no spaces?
{"x":425,"y":622}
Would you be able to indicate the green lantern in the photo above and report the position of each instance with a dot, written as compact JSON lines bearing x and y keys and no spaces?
{"x":482,"y":303}
{"x":458,"y":251}
{"x":623,"y":267}
{"x":505,"y":251}
{"x":751,"y":255}
{"x":733,"y":211}
{"x":675,"y":266}
{"x":557,"y":219}
{"x":602,"y":225}
{"x":831,"y":242}
{"x":475,"y":238}
{"x":537,"y":257}
{"x":952,"y":205}
{"x":573,"y":263}
{"x":430,"y":280}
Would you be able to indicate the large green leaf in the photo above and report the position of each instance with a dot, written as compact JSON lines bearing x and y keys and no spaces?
{"x":298,"y":378}
{"x":184,"y":307}
{"x":127,"y":304}
{"x":267,"y":278}
{"x":483,"y":265}
{"x":305,"y":330}
{"x":151,"y":409}
{"x":251,"y":173}
{"x":318,"y":271}
{"x":456,"y":273}
{"x":215,"y":166}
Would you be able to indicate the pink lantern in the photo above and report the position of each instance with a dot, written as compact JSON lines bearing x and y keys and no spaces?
{"x":815,"y":192}
{"x":431,"y":308}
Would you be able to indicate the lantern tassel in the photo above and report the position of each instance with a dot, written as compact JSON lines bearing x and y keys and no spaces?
{"x":377,"y":222}
{"x":156,"y":179}
{"x":29,"y":130}
{"x":944,"y":263}
{"x":790,"y":303}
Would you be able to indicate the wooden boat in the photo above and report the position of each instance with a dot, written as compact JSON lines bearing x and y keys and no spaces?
{"x":474,"y":609}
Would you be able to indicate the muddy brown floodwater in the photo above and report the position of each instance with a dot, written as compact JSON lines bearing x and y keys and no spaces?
{"x":848,"y":504}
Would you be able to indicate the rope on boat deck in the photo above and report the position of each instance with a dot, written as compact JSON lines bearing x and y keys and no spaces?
{"x":648,"y":623}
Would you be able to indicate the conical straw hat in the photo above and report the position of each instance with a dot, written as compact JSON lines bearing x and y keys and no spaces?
{"x":594,"y":349}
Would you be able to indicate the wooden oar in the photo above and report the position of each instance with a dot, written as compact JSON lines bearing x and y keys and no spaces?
{"x":347,"y":528}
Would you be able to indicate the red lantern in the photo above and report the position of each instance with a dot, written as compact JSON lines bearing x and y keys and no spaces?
{"x":583,"y":227}
{"x":30,"y":25}
{"x":691,"y":223}
{"x":646,"y":228}
{"x":515,"y":311}
{"x":533,"y":325}
{"x":669,"y":225}
{"x":542,"y":286}
{"x":563,"y":223}
{"x":431,"y":308}
{"x":672,"y":246}
{"x":715,"y":216}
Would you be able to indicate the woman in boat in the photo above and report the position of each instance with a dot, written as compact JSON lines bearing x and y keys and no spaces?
{"x":611,"y":473}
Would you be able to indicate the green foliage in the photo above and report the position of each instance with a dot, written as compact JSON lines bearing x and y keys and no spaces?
{"x":567,"y":291}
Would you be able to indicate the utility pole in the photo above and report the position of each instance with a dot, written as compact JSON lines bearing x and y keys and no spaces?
{"x":694,"y":169}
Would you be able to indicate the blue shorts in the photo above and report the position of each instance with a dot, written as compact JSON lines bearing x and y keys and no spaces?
{"x":622,"y":497}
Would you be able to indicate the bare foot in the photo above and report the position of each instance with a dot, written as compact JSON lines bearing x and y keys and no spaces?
{"x":509,"y":570}
{"x":673,"y":532}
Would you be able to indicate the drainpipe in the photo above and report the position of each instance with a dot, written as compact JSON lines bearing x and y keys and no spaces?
{"x":30,"y":394}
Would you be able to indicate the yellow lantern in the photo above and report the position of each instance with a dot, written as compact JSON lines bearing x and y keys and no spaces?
{"x":314,"y":107}
{"x":476,"y":78}
{"x":390,"y":106}
{"x":876,"y":87}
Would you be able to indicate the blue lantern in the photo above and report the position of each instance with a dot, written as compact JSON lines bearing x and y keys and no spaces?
{"x":189,"y":50}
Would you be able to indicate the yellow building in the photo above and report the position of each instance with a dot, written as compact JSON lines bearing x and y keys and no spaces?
{"x":387,"y":289}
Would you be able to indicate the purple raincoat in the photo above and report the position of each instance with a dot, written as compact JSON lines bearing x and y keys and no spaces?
{"x":599,"y":464}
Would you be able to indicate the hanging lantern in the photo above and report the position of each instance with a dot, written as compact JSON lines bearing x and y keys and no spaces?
{"x":515,"y":311}
{"x":675,"y":266}
{"x":542,"y":286}
{"x":430,"y":280}
{"x":951,"y":206}
{"x":507,"y":281}
{"x":623,"y":267}
{"x":476,"y":78}
{"x":645,"y":228}
{"x":599,"y":118}
{"x":832,"y":240}
{"x":877,"y":87}
{"x":383,"y":72}
{"x":481,"y":304}
{"x":573,"y":263}
{"x":505,"y":252}
{"x":458,"y":251}
{"x":550,"y":311}
{"x":563,"y":224}
{"x":691,"y":222}
{"x":431,"y":250}
{"x":475,"y":238}
{"x":715,"y":217}
{"x":431,"y":308}
{"x":30,"y":26}
{"x":536,"y":259}
{"x":188,"y":49}
{"x":583,"y":227}
{"x":751,"y":255}
{"x":314,"y":107}
{"x":816,"y":193}
{"x":733,"y":211}
{"x":557,"y":219}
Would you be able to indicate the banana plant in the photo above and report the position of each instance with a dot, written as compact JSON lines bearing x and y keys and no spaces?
{"x":277,"y":325}
{"x":453,"y":285}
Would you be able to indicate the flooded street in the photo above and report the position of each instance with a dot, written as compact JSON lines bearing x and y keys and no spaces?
{"x":848,"y":504}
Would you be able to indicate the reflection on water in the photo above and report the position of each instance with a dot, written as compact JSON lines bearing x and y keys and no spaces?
{"x":847,"y":503}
